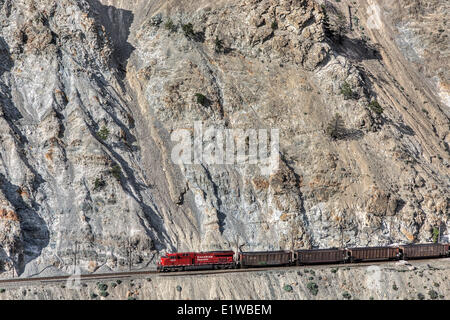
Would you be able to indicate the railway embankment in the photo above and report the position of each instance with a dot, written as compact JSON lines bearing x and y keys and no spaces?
{"x":418,"y":280}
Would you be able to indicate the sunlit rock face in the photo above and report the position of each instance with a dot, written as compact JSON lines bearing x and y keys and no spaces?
{"x":92,"y":92}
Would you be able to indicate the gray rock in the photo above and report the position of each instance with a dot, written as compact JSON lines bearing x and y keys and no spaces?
{"x":73,"y":192}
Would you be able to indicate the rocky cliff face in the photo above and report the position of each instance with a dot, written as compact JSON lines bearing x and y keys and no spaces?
{"x":91,"y":92}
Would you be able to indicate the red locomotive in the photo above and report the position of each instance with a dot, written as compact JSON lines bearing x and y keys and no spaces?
{"x":197,"y":260}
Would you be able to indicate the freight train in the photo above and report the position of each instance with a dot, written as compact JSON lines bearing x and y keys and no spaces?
{"x":230,"y":260}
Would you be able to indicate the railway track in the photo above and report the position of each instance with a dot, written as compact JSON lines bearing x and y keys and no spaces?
{"x":141,"y":274}
{"x":117,"y":275}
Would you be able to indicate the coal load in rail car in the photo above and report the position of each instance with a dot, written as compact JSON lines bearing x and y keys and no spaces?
{"x":429,"y":250}
{"x":319,"y":256}
{"x":270,"y":258}
{"x":373,"y":254}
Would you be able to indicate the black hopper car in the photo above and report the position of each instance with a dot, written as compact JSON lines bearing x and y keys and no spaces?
{"x":342,"y":255}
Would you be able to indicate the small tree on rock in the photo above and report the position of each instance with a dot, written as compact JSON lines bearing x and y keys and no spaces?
{"x":347,"y":92}
{"x":336,"y":129}
{"x":326,"y":23}
{"x":188,"y":30}
{"x":103,"y":133}
{"x":170,"y":26}
{"x":218,"y":45}
{"x":201,"y":99}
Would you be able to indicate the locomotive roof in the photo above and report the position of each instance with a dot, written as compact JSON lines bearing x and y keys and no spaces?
{"x":192,"y":252}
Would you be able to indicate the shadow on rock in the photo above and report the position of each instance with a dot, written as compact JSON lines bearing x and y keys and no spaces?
{"x":117,"y":23}
{"x":5,"y":59}
{"x":34,"y":230}
{"x":353,"y":134}
{"x":358,"y":49}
